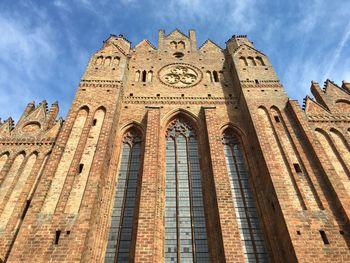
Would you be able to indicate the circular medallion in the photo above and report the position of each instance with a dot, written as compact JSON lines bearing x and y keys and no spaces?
{"x":180,"y":75}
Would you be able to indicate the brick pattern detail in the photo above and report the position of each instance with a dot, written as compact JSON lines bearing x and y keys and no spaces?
{"x":297,"y":158}
{"x":148,"y":242}
{"x":230,"y":232}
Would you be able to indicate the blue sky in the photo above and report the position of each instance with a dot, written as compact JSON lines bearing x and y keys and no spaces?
{"x":45,"y":45}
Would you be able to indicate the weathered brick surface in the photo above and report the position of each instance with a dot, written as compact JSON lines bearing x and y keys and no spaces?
{"x":57,"y":180}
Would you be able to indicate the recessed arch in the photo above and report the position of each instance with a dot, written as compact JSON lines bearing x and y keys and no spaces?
{"x":5,"y":153}
{"x":243,"y":61}
{"x":122,"y":230}
{"x":181,"y":44}
{"x":116,"y":60}
{"x":333,"y":156}
{"x":3,"y":159}
{"x":247,"y":215}
{"x":235,"y":129}
{"x":209,"y":76}
{"x":343,"y":101}
{"x":251,"y":61}
{"x":343,"y":105}
{"x":54,"y":192}
{"x":31,"y":126}
{"x":133,"y":124}
{"x":179,"y":112}
{"x":342,"y":146}
{"x":17,"y":163}
{"x":260,"y":61}
{"x":107,"y":61}
{"x":84,"y":107}
{"x":149,"y":76}
{"x":101,"y":107}
{"x":137,"y":76}
{"x":99,"y":60}
{"x":185,"y":231}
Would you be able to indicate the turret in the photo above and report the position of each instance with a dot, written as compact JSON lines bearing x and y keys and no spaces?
{"x":52,"y":114}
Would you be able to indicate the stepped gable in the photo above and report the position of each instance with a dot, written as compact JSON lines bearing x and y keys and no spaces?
{"x":36,"y":122}
{"x":332,"y":96}
{"x":313,"y":107}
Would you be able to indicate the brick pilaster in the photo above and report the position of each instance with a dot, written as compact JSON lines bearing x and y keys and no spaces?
{"x":148,"y":247}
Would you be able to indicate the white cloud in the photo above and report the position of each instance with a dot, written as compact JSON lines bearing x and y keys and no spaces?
{"x":27,"y":53}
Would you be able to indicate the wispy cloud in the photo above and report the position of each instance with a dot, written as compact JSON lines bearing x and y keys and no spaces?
{"x":27,"y":52}
{"x":45,"y":45}
{"x":338,"y":51}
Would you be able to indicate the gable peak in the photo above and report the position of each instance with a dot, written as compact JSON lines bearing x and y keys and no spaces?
{"x":209,"y":43}
{"x":176,"y":32}
{"x":145,"y":43}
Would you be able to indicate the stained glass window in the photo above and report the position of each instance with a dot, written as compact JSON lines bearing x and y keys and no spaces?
{"x":185,"y":229}
{"x":121,"y":230}
{"x":246,"y":212}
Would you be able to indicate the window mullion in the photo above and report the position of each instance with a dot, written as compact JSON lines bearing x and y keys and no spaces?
{"x":191,"y":199}
{"x":177,"y":204}
{"x":123,"y":206}
{"x":244,"y":202}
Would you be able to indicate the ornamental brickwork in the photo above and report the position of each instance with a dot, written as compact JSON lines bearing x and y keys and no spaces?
{"x":178,"y":153}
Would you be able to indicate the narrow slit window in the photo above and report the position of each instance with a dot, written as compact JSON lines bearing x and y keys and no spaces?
{"x":57,"y":236}
{"x":277,"y":119}
{"x":26,"y":209}
{"x":81,"y":167}
{"x":215,"y":76}
{"x":324,"y":237}
{"x":94,"y":122}
{"x":297,"y":168}
{"x":144,"y":76}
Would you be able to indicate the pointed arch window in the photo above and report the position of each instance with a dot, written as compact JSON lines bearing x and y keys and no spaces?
{"x":185,"y":227}
{"x":121,"y":241}
{"x":246,"y":212}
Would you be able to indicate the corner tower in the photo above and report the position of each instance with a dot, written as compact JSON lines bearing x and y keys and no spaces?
{"x":62,"y":215}
{"x":299,"y":199}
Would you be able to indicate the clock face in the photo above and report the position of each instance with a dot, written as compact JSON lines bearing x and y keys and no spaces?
{"x":180,"y":75}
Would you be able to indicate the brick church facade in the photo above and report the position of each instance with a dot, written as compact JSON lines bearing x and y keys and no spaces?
{"x":179,"y":153}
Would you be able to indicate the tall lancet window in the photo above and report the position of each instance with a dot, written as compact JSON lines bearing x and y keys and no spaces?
{"x":121,"y":233}
{"x":246,"y":212}
{"x":185,"y":229}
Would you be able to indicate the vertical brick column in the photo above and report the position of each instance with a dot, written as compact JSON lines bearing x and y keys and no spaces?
{"x":229,"y":227}
{"x":147,"y":243}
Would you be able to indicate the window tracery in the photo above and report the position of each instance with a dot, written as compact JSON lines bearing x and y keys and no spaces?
{"x":185,"y":228}
{"x":121,"y":233}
